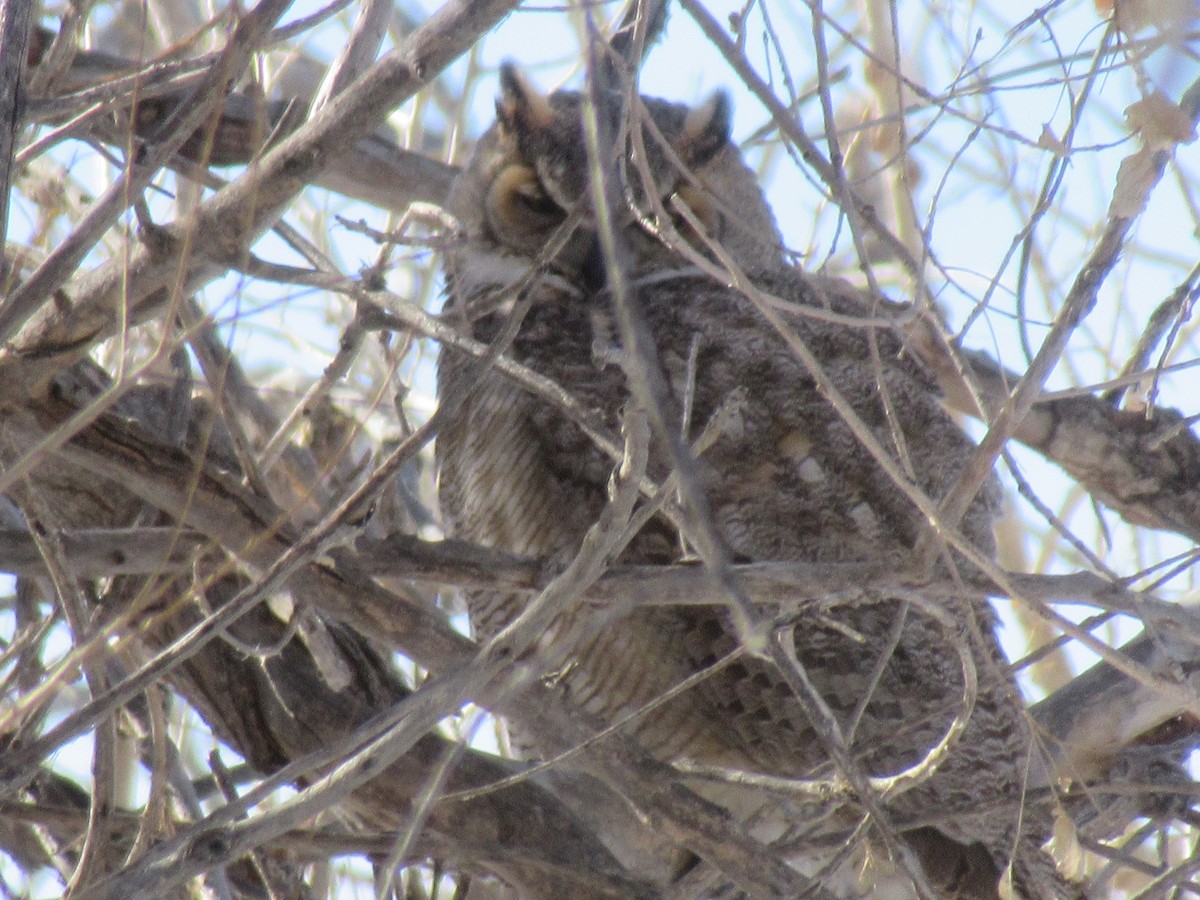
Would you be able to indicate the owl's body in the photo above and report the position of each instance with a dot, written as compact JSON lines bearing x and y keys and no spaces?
{"x":784,"y":475}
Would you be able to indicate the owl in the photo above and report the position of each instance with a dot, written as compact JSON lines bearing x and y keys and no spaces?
{"x":785,"y":474}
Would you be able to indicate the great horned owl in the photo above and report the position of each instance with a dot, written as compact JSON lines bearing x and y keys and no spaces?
{"x":786,"y":478}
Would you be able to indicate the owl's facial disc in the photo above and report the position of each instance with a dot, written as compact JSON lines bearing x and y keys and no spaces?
{"x":546,"y":169}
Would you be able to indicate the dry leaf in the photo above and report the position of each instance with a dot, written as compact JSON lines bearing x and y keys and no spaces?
{"x":1066,"y":848}
{"x":1162,"y":124}
{"x":1131,"y":16}
{"x":1138,"y":173}
{"x":1048,"y":140}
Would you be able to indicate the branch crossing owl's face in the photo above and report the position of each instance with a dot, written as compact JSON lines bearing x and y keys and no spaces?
{"x":531,"y":172}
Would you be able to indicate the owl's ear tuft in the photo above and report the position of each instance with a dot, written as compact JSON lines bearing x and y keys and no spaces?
{"x":521,"y":106}
{"x":705,"y":131}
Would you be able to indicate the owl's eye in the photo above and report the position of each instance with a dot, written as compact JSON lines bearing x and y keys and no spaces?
{"x":702,"y":206}
{"x":518,"y":207}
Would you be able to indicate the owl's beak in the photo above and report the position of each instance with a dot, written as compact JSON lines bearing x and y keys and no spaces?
{"x":582,"y":261}
{"x":586,"y":258}
{"x":591,"y":268}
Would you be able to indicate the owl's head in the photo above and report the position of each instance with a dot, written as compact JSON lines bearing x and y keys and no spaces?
{"x":531,"y":172}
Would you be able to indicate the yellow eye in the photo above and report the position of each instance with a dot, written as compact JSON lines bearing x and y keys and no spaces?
{"x":701,"y":204}
{"x":518,"y":209}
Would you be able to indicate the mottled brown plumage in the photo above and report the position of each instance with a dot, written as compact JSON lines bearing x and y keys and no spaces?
{"x":786,"y":479}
